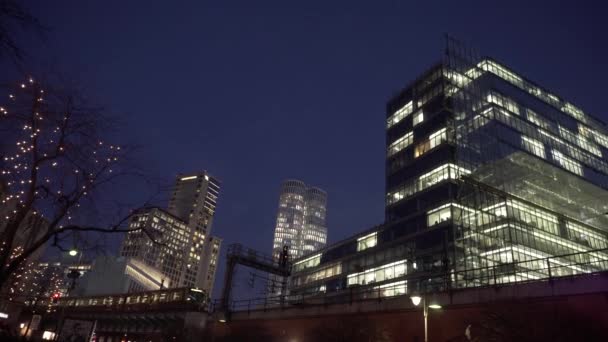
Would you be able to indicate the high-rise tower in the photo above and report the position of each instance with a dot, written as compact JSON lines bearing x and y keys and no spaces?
{"x":300,"y":219}
{"x":185,"y":230}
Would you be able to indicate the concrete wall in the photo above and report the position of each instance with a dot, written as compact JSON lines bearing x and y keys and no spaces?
{"x":559,"y":310}
{"x":577,"y":318}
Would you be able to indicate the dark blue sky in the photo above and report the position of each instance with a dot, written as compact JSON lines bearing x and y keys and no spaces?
{"x":260,"y":91}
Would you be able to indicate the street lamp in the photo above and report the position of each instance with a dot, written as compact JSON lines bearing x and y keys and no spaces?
{"x":73,"y":252}
{"x":426,"y":304}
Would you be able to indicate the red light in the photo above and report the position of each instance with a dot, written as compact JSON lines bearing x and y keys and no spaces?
{"x":56,"y":295}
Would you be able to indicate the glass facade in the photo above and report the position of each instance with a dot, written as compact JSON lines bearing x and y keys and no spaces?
{"x":490,"y":179}
{"x":300,"y":219}
{"x":300,"y":226}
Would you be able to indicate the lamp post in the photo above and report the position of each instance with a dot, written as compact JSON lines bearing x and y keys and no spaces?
{"x":426,"y":304}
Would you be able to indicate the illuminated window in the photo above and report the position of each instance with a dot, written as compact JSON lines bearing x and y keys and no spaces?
{"x":367,"y":241}
{"x":579,"y":140}
{"x":596,"y":136}
{"x":48,"y":335}
{"x":533,"y":146}
{"x":418,"y":117}
{"x":400,"y":114}
{"x":441,"y":173}
{"x":503,"y":101}
{"x":537,"y":119}
{"x":567,"y":163}
{"x":378,"y":274}
{"x":438,"y":215}
{"x":454,"y":211}
{"x":326,"y":272}
{"x":534,"y":216}
{"x":586,"y":236}
{"x":392,"y":289}
{"x":435,"y":139}
{"x":400,"y":143}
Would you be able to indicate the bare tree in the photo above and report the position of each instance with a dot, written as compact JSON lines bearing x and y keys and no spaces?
{"x":55,"y":164}
{"x":14,"y":17}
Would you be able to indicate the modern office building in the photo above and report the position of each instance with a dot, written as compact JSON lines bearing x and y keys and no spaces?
{"x":194,"y":200}
{"x":300,"y":219}
{"x":300,"y":225}
{"x":490,"y":178}
{"x":183,"y":232}
{"x":169,"y":255}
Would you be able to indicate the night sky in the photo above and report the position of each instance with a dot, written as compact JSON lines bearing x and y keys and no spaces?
{"x":257,"y":92}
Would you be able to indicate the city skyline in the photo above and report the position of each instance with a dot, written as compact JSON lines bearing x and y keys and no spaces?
{"x":331,"y":88}
{"x":306,"y":171}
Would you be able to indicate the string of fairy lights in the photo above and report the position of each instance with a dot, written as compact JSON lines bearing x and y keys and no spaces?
{"x":56,"y":161}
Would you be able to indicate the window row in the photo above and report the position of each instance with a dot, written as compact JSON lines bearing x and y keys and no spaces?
{"x":400,"y":143}
{"x":592,"y":134}
{"x":433,"y":141}
{"x":326,"y":272}
{"x":444,"y":172}
{"x":378,"y":274}
{"x":586,"y":236}
{"x":396,"y":288}
{"x":367,"y":241}
{"x":503,"y":101}
{"x":567,"y":163}
{"x":545,"y":137}
{"x":516,"y":80}
{"x":580,"y":140}
{"x":400,"y":114}
{"x":534,"y":239}
{"x":533,"y":146}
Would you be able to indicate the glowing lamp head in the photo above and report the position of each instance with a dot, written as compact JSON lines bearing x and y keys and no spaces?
{"x":435,"y":306}
{"x":73,"y":252}
{"x":416,"y":300}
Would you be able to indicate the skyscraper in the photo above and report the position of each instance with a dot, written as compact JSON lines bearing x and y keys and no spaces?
{"x":193,"y":201}
{"x":184,"y":232}
{"x":300,"y":219}
{"x":490,"y":179}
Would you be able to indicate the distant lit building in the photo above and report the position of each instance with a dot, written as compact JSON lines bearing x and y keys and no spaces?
{"x":31,"y":229}
{"x":183,"y":232}
{"x":300,"y":219}
{"x":194,"y":200}
{"x":490,"y":179}
{"x":169,"y":254}
{"x":300,"y":225}
{"x":39,"y":281}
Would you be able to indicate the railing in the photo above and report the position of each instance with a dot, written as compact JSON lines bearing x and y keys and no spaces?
{"x":535,"y":270}
{"x":239,"y":250}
